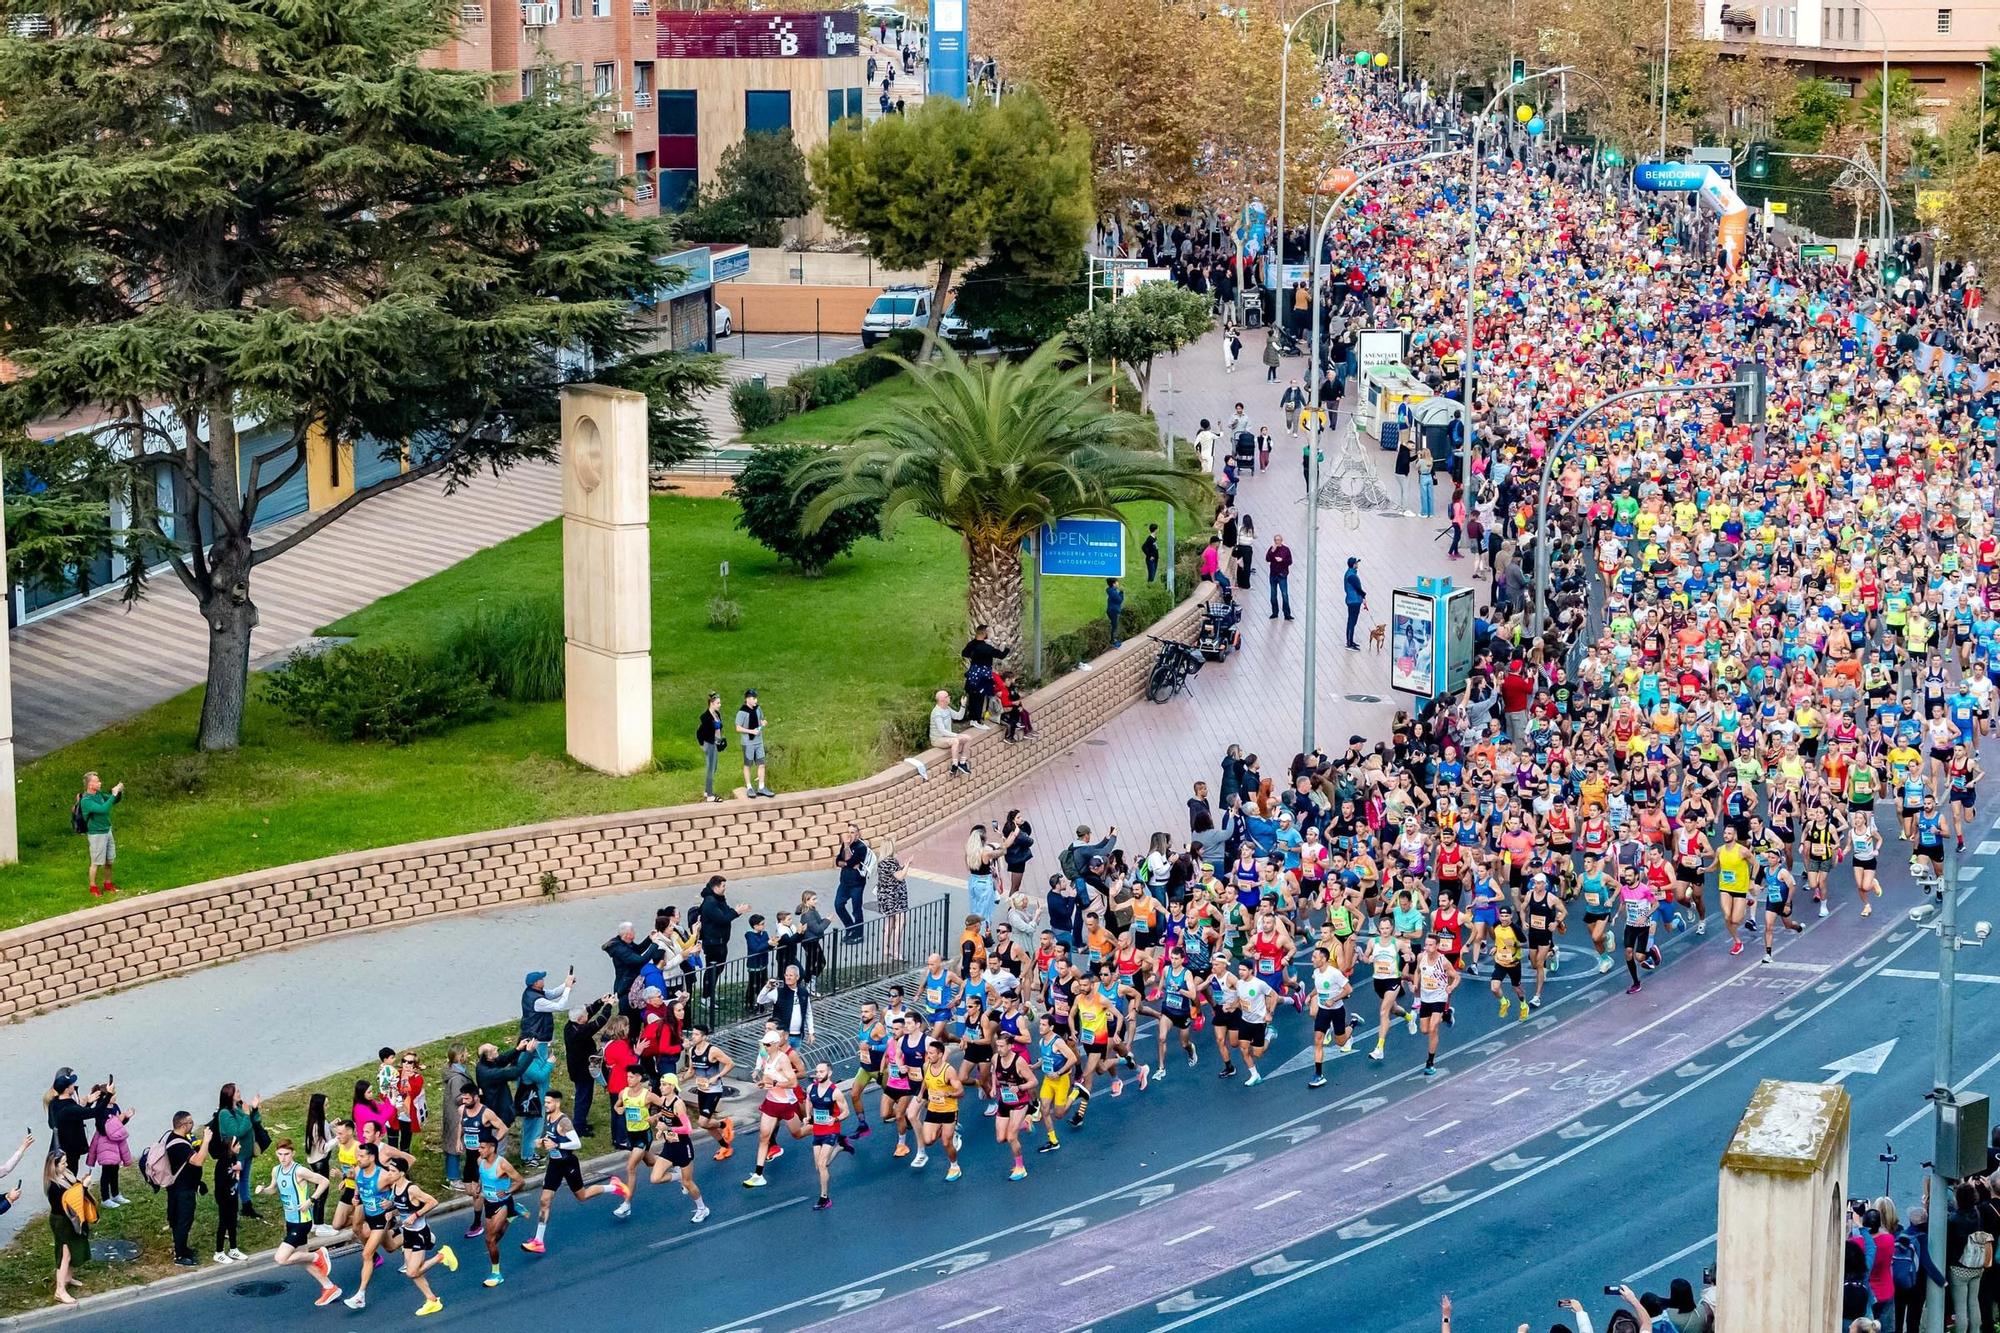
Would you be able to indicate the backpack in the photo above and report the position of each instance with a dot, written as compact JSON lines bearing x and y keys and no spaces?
{"x":1978,"y":1251}
{"x":527,"y":1101}
{"x":1070,"y":862}
{"x":153,"y":1164}
{"x":79,"y":1206}
{"x":77,"y":823}
{"x":1903,"y":1263}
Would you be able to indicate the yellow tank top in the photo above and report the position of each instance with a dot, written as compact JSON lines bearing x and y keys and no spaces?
{"x":938,"y":1094}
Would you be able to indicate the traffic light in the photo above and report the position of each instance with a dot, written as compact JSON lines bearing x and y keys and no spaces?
{"x":1892,"y":270}
{"x":1517,"y":71}
{"x":1749,"y":393}
{"x":1759,"y":166}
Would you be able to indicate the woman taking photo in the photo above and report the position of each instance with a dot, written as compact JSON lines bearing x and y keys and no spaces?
{"x":980,"y":882}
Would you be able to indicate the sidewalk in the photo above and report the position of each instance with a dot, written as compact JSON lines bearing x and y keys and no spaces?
{"x":1137,"y":771}
{"x":278,"y":1020}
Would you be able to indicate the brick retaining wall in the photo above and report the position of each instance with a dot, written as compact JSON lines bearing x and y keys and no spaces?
{"x":90,"y":952}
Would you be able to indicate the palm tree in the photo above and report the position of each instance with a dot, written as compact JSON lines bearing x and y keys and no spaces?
{"x":993,"y":450}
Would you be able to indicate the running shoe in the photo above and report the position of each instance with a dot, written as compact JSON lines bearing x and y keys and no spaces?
{"x":322,"y":1262}
{"x":954,"y":1173}
{"x":1019,"y":1172}
{"x":1193,"y":1060}
{"x":1736,"y":948}
{"x":777,"y":1151}
{"x":902,"y":1150}
{"x":534,"y":1247}
{"x":618,"y":1186}
{"x":1375,"y":1054}
{"x":700,"y":1213}
{"x":1346,"y":1048}
{"x":1632,"y":989}
{"x":1159,"y":1072}
{"x":221,"y":1257}
{"x":1143,"y":1076}
{"x":1256,"y":1077}
{"x":1410,"y":1021}
{"x":1767,"y":955}
{"x":1228,"y":1071}
{"x":755,"y":1182}
{"x":992,"y":1109}
{"x":1505,"y":1005}
{"x":328,"y":1295}
{"x":861,"y":1133}
{"x":1823,"y":909}
{"x":1603,"y":966}
{"x":475,"y":1231}
{"x":449,"y":1258}
{"x":724,"y":1153}
{"x":1117,"y":1087}
{"x":1868,"y":909}
{"x":358,"y":1301}
{"x":1050,"y":1146}
{"x":1653,"y":953}
{"x":431,"y":1306}
{"x":1701,"y":926}
{"x":921,"y":1160}
{"x":1524,"y":1013}
{"x":1316,"y":1081}
{"x":493,"y":1279}
{"x":822,"y":1205}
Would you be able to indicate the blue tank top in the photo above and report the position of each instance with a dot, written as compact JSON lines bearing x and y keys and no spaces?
{"x":1046,"y":1054}
{"x":368,"y":1190}
{"x":493,"y":1186}
{"x":286,"y":1178}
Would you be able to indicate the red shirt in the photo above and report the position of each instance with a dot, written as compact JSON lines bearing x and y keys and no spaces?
{"x":1514,"y":692}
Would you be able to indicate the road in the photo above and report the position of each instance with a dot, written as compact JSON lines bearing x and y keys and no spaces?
{"x":1365,"y":1196}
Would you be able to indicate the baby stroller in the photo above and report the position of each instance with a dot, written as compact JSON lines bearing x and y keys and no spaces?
{"x":1289,"y":344}
{"x":1221,"y":625}
{"x":1245,"y":449}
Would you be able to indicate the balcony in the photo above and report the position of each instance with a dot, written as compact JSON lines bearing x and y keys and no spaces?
{"x":642,"y":9}
{"x":643,"y":191}
{"x":642,"y":99}
{"x":30,"y":25}
{"x":473,"y":16}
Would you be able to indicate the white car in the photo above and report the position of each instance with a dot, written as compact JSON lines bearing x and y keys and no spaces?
{"x":724,"y":325}
{"x":899,"y":307}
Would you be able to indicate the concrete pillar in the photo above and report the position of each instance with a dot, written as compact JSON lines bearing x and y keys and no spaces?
{"x":607,"y":579}
{"x":10,"y":829}
{"x":1784,"y":1179}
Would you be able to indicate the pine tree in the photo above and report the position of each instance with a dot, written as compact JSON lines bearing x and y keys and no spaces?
{"x":271,"y":213}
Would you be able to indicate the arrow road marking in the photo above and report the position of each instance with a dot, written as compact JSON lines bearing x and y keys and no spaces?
{"x":958,"y":1263}
{"x":1633,"y":1100}
{"x":1785,"y":1013}
{"x":1740,"y":1040}
{"x":1441,"y":1194}
{"x":1232,"y":1161}
{"x":1367,"y":1104}
{"x":1061,"y":1227}
{"x":1869,"y":1061}
{"x":1275,"y":1265}
{"x":851,"y":1300}
{"x":1360,"y":1229}
{"x":1513,"y":1162}
{"x":1297,"y":1134}
{"x":1148,"y":1195}
{"x":1487,"y":1048}
{"x":1576,"y":1129}
{"x":1690,"y":1069}
{"x":1184,"y":1302}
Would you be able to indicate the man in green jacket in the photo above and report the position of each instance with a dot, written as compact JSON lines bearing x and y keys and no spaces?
{"x":96,"y":803}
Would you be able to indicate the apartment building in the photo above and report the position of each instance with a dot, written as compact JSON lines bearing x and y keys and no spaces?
{"x":607,"y":46}
{"x":1941,"y":43}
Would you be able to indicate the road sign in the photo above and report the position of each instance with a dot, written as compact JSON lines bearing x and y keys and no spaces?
{"x":1092,"y":548}
{"x":1822,"y":253}
{"x":947,"y":42}
{"x":1774,"y":206}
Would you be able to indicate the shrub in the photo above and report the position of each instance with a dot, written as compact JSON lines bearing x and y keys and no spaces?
{"x":905,"y":343}
{"x":823,"y":386}
{"x":518,"y":649}
{"x":387,"y":694}
{"x":725,"y":613}
{"x":756,"y":406}
{"x":772,"y":504}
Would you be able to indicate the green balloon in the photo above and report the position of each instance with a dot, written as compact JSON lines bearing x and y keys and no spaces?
{"x":1360,"y":57}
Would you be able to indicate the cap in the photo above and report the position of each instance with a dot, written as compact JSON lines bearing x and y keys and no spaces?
{"x":533,"y":977}
{"x":1357,"y":740}
{"x":65,"y":1080}
{"x":773,"y":1037}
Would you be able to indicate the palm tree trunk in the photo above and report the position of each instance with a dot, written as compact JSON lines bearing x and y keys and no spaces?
{"x":993,"y":587}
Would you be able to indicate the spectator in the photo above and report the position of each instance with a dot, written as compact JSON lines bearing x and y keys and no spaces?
{"x":68,"y":1113}
{"x":93,"y":808}
{"x":1966,"y":1258}
{"x":619,"y":1056}
{"x":708,"y":734}
{"x":1065,"y":909}
{"x":791,"y":1008}
{"x":230,"y":1171}
{"x":110,"y":1148}
{"x":1279,"y":560}
{"x":942,"y":716}
{"x":72,"y":1235}
{"x":713,"y":916}
{"x":1114,"y":610}
{"x":498,"y":1079}
{"x":852,"y":862}
{"x":457,"y":1079}
{"x":628,"y":955}
{"x":243,"y":1122}
{"x":979,"y":656}
{"x":531,"y":1102}
{"x":1355,"y":596}
{"x":1150,"y":548}
{"x":756,"y":958}
{"x":372,"y":1108}
{"x":539,"y":1008}
{"x":409,"y":1102}
{"x":186,"y":1155}
{"x":1915,"y":1242}
{"x":812,"y":926}
{"x":892,"y":899}
{"x":580,"y":1057}
{"x":750,"y":729}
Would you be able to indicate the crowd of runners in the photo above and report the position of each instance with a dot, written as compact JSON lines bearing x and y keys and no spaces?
{"x":1771,"y":654}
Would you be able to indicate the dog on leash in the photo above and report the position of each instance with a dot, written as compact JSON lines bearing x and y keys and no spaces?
{"x":1378,"y":637}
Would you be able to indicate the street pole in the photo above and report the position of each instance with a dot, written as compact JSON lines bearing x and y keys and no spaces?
{"x":1548,"y":471}
{"x":1941,"y":1096}
{"x":1666,"y":73}
{"x":1284,"y":115}
{"x":1311,"y":664}
{"x":1888,"y":226}
{"x":1036,"y":554}
{"x":1171,"y":506}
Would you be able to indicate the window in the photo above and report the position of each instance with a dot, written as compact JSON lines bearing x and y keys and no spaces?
{"x":1944,"y":20}
{"x":677,"y":189}
{"x":766,"y":112}
{"x":603,"y":79}
{"x":600,"y":9}
{"x":576,"y":9}
{"x":642,"y":77}
{"x":531,"y":84}
{"x":836,"y":107}
{"x":677,"y":112}
{"x":854,"y":102}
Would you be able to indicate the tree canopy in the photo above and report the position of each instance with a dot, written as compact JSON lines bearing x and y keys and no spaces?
{"x":759,"y":185}
{"x":236,"y":214}
{"x":1156,"y":319}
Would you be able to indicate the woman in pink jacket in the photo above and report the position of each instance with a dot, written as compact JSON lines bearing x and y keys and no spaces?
{"x":111,"y":1148}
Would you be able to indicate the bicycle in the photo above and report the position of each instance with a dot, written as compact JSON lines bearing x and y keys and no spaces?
{"x":1171,"y":669}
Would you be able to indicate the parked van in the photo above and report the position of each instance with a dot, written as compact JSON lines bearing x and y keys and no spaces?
{"x":896,"y":308}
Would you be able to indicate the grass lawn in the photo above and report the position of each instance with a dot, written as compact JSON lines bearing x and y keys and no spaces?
{"x":27,"y":1263}
{"x":842,"y":422}
{"x":845,"y":663}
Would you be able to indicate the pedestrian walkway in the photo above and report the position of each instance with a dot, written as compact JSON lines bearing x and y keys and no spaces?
{"x":1137,"y":770}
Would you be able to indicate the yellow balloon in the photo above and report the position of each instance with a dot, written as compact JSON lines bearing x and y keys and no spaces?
{"x":1381,"y":59}
{"x":1524,"y":113}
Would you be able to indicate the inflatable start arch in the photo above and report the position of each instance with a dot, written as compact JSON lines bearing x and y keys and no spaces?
{"x":1732,"y":214}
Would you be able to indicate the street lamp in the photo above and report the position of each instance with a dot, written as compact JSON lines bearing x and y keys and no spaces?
{"x":1556,"y":450}
{"x":1888,"y":214}
{"x":1312,"y":438}
{"x":1881,"y":183}
{"x":1284,"y":109}
{"x":1465,"y":360}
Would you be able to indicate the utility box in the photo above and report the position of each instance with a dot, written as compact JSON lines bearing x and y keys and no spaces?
{"x":1961,"y":1145}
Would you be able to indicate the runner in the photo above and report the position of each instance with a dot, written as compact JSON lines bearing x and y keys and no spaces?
{"x":779,"y":1073}
{"x":1330,"y":989}
{"x":289,"y":1181}
{"x":498,"y":1179}
{"x":1777,"y":886}
{"x":420,"y":1248}
{"x":709,"y":1068}
{"x":1178,"y":1000}
{"x":1436,"y":980}
{"x":1058,"y":1064}
{"x":560,"y":1143}
{"x":827,"y":1105}
{"x":942,"y":1089}
{"x":1507,"y":961}
{"x":1013,"y":1084}
{"x":1545,"y":914}
{"x":1387,"y":955}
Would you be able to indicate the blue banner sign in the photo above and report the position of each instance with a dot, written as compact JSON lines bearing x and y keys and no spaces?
{"x":1091,"y":548}
{"x":948,"y":59}
{"x":1669,"y":176}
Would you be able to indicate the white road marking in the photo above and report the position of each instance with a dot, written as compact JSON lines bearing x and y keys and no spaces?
{"x":1574,"y":1064}
{"x":1501,"y":1101}
{"x":1273,"y":1203}
{"x":1673,"y":1258}
{"x":1926,"y":1112}
{"x":1198,"y":1231}
{"x":972,"y":1318}
{"x":1085,"y":1277}
{"x":706,"y":1230}
{"x":1917,"y":974}
{"x":1366,"y":1161}
{"x":1433,"y":1133}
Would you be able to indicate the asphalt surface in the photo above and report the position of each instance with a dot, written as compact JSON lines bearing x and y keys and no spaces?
{"x":1578,"y":1148}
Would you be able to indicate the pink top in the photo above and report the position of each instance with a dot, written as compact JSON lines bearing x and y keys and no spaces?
{"x":381,"y":1114}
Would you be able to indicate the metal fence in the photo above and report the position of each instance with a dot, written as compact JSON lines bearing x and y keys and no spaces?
{"x":840,"y":961}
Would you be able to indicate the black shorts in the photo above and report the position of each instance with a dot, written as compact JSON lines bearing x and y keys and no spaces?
{"x":1252,"y":1034}
{"x":674,"y":1152}
{"x":1941,"y":753}
{"x":1388,"y":985}
{"x":706,"y":1104}
{"x":420,"y":1240}
{"x":978,"y":1052}
{"x":1779,"y":908}
{"x":375,"y":1221}
{"x":297,"y":1234}
{"x":1864,"y":863}
{"x":1933,"y":850}
{"x":939,"y":1117}
{"x":564,"y":1170}
{"x":490,"y":1208}
{"x":1178,"y":1017}
{"x":1508,"y":972}
{"x":1687,"y":874}
{"x":1638,"y":938}
{"x":1432,"y":1008}
{"x":468,"y":1171}
{"x":1331,"y":1019}
{"x":1541,"y":939}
